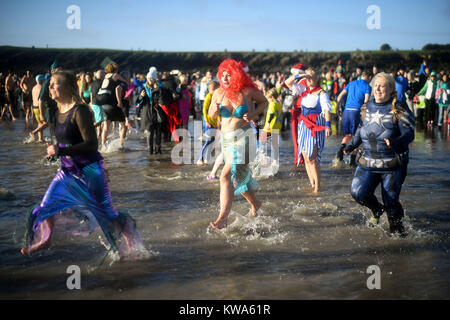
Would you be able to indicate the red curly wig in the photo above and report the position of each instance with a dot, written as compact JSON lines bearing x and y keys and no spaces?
{"x":239,"y":79}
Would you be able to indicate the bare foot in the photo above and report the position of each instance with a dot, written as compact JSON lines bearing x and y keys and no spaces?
{"x":220,"y":224}
{"x":33,"y":138}
{"x":254,"y":210}
{"x":35,"y":247}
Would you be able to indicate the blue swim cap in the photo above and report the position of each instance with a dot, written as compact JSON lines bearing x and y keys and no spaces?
{"x":40,"y":78}
{"x":54,"y":65}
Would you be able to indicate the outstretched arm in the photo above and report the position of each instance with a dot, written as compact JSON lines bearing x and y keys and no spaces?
{"x":355,"y":143}
{"x":214,"y":107}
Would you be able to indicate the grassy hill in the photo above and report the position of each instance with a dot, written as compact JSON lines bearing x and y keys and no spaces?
{"x":38,"y":59}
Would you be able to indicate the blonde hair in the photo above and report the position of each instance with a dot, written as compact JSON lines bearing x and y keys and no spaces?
{"x":391,"y":82}
{"x":182,"y":78}
{"x":272,"y":93}
{"x":314,"y":74}
{"x":214,"y":85}
{"x":112,"y":68}
{"x":398,"y":112}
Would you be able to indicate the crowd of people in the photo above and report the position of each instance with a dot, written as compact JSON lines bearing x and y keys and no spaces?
{"x":377,"y":110}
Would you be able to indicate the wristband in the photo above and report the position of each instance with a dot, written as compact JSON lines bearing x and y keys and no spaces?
{"x":328,"y":124}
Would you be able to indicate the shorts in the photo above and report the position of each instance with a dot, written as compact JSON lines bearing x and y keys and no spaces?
{"x":125,"y":110}
{"x":351,"y":120}
{"x":37,"y":114}
{"x":10,"y":97}
{"x":113,"y":113}
{"x":98,"y":113}
{"x":27,"y":98}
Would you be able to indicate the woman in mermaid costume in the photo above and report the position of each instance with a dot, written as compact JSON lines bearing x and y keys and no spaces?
{"x":81,"y":184}
{"x":238,"y":101}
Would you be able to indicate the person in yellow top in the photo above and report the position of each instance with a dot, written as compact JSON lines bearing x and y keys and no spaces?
{"x":208,"y":121}
{"x":273,"y":116}
{"x":208,"y":124}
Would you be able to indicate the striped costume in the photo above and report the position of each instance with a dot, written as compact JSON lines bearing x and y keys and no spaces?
{"x":311,"y":122}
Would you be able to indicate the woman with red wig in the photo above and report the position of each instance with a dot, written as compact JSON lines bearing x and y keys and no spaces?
{"x":238,"y":101}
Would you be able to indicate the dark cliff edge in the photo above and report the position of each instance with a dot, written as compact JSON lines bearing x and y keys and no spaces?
{"x":39,"y":59}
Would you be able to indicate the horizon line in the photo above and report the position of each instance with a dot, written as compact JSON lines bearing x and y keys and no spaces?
{"x":222,"y":51}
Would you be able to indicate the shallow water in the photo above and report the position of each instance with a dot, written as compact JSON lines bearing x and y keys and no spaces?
{"x":300,"y":247}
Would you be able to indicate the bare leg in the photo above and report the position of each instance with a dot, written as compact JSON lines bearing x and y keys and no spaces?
{"x":315,"y":170}
{"x":12,"y":114}
{"x":40,"y":137}
{"x":106,"y":125}
{"x":226,"y":198}
{"x":40,"y":128}
{"x":120,"y":230}
{"x":308,"y":168}
{"x":254,"y":202}
{"x":46,"y":230}
{"x":217,"y":165}
{"x":27,"y":113}
{"x":123,"y":133}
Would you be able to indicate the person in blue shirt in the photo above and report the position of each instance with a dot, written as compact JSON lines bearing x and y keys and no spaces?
{"x":423,"y":66}
{"x":384,"y":135}
{"x":401,"y":86}
{"x":358,"y":93}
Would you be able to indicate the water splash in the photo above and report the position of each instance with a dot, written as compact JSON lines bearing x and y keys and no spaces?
{"x":263,"y":165}
{"x":28,"y":139}
{"x":112,"y":145}
{"x":261,"y":229}
{"x":337,"y":164}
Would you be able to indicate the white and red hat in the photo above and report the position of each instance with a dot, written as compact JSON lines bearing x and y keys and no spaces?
{"x":243,"y":66}
{"x":298,"y":69}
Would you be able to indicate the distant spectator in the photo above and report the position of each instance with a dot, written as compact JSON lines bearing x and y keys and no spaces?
{"x":429,"y":91}
{"x":442,"y":98}
{"x":401,"y":86}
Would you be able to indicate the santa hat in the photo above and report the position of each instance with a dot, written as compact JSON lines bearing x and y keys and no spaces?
{"x":298,"y":69}
{"x":243,"y":66}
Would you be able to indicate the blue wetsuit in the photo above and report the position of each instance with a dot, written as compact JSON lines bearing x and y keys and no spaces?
{"x":381,"y":163}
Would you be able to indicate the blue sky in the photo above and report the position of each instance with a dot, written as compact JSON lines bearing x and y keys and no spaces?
{"x":234,"y":25}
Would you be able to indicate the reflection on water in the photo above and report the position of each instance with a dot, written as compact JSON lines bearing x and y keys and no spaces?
{"x":301,"y":246}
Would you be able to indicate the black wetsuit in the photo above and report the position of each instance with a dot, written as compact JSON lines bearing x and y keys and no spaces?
{"x":107,"y":97}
